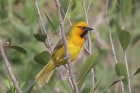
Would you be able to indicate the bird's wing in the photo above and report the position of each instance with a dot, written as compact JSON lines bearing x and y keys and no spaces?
{"x":57,"y":47}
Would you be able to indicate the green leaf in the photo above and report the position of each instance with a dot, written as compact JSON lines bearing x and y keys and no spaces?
{"x":22,"y":85}
{"x":31,"y":88}
{"x":113,"y":83}
{"x":50,"y":22}
{"x":40,"y":37}
{"x":124,"y":38}
{"x":89,"y":63}
{"x":9,"y":79}
{"x":121,"y":71}
{"x":86,"y":90}
{"x":64,"y":4}
{"x":42,"y":57}
{"x":73,"y":5}
{"x":93,"y":89}
{"x":12,"y":89}
{"x":7,"y":84}
{"x":63,"y":86}
{"x":137,"y":72}
{"x":125,"y":7}
{"x":18,"y":48}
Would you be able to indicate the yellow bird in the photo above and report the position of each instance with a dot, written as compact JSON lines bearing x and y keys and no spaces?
{"x":75,"y":40}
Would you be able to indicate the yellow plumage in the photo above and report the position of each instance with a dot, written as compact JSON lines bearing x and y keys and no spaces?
{"x":75,"y":40}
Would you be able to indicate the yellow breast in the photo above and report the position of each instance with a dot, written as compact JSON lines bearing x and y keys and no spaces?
{"x":74,"y":46}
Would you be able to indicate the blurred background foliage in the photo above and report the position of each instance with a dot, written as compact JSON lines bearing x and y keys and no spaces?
{"x":18,"y":23}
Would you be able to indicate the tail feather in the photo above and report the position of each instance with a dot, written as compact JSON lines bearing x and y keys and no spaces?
{"x":45,"y":74}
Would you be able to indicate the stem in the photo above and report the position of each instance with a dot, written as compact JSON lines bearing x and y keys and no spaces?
{"x":67,"y":56}
{"x":67,"y":10}
{"x":8,"y":67}
{"x":86,"y":49}
{"x":126,"y":64}
{"x":89,"y":5}
{"x":47,"y":41}
{"x":111,"y":41}
{"x":59,"y":72}
{"x":110,"y":35}
{"x":66,"y":17}
{"x":89,"y":41}
{"x":3,"y":89}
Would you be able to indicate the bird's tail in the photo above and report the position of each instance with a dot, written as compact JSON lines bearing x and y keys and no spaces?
{"x":45,"y":74}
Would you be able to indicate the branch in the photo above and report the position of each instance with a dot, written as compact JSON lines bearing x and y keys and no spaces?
{"x":89,"y":4}
{"x":126,"y":64}
{"x":89,"y":40}
{"x":67,"y":56}
{"x":110,"y":35}
{"x":111,"y":41}
{"x":11,"y":74}
{"x":86,"y":49}
{"x":3,"y":89}
{"x":66,"y":17}
{"x":47,"y":41}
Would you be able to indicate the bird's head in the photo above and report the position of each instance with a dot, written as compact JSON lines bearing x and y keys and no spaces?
{"x":80,"y":28}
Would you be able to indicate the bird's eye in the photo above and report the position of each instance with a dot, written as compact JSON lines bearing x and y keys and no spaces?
{"x":81,"y":27}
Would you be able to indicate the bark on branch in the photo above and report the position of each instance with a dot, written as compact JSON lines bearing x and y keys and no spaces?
{"x":9,"y":69}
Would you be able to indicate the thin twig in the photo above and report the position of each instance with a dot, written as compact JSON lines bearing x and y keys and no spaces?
{"x":67,"y":56}
{"x":3,"y":89}
{"x":59,"y":73}
{"x":89,"y":5}
{"x":47,"y":41}
{"x":85,"y":12}
{"x":126,"y":64}
{"x":42,"y":25}
{"x":89,"y":41}
{"x":117,"y":3}
{"x":93,"y":81}
{"x":68,"y":9}
{"x":122,"y":25}
{"x":66,"y":17}
{"x":11,"y":74}
{"x":51,"y":23}
{"x":86,"y":49}
{"x":110,"y":37}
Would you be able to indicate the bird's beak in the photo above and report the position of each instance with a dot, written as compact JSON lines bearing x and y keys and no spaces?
{"x":88,"y":29}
